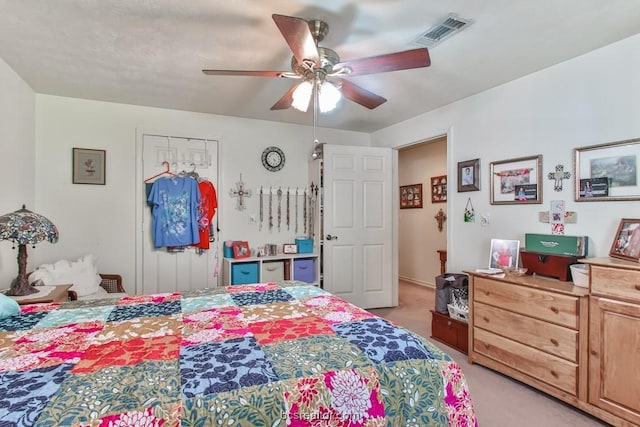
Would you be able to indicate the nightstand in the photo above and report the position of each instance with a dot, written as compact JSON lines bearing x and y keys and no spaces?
{"x":59,"y":294}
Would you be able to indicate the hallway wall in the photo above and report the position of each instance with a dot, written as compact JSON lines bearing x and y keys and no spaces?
{"x":418,"y":235}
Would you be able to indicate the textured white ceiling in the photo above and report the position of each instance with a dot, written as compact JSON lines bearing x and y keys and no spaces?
{"x":151,"y":52}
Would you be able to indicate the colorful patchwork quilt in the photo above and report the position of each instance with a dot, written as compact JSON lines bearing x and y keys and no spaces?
{"x":286,"y":354}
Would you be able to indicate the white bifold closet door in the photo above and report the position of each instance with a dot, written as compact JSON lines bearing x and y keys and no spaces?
{"x":161,"y":271}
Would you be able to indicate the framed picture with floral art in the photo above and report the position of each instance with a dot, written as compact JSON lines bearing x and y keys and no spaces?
{"x":89,"y":166}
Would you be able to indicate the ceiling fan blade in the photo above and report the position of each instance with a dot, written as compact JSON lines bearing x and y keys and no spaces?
{"x":286,"y":100}
{"x":415,"y":58}
{"x":298,"y":36}
{"x":244,"y":73}
{"x":360,"y":95}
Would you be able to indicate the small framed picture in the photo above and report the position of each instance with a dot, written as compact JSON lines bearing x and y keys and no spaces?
{"x":469,"y":175}
{"x":290,"y":248}
{"x":89,"y":166}
{"x":626,"y":243}
{"x":439,"y":189}
{"x":241,"y":250}
{"x":504,"y":253}
{"x":411,"y":196}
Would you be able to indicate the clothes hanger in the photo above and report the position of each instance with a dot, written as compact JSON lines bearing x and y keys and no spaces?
{"x":167,"y":171}
{"x":191,"y":174}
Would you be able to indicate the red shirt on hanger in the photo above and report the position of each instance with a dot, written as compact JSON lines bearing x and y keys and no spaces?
{"x":206,"y":211}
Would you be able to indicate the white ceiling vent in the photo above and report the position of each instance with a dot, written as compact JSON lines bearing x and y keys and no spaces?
{"x":435,"y":35}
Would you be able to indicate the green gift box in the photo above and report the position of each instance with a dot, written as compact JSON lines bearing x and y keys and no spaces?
{"x":556,"y":244}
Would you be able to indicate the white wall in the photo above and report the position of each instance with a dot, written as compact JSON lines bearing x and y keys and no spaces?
{"x":17,"y":159}
{"x":418,"y":235}
{"x":101,"y":219}
{"x":588,"y":100}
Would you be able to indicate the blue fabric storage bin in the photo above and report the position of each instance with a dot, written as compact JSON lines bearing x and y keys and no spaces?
{"x":228,"y":251}
{"x":303,"y":270}
{"x":305,"y":246}
{"x":244,"y":273}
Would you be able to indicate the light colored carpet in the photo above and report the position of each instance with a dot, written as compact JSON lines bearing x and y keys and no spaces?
{"x":499,"y":401}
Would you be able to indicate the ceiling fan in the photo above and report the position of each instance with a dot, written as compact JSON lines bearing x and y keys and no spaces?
{"x":322,"y":72}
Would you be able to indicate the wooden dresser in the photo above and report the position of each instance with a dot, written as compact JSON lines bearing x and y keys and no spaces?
{"x":537,"y":330}
{"x":614,"y":337}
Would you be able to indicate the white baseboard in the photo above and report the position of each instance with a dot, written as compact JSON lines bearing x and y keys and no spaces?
{"x":417,"y":282}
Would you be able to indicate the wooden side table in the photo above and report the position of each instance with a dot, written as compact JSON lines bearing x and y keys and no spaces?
{"x":59,"y":294}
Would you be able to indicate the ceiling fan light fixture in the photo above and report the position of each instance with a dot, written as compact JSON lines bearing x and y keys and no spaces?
{"x":329,"y":97}
{"x":301,"y":96}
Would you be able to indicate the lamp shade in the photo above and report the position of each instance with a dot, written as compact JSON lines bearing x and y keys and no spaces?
{"x":25,"y":227}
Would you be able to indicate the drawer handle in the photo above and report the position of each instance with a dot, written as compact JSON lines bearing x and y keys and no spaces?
{"x":638,"y":287}
{"x":555,"y":310}
{"x":449,"y":323}
{"x":594,"y":353}
{"x":554,"y":342}
{"x":486,"y":319}
{"x":554,"y":373}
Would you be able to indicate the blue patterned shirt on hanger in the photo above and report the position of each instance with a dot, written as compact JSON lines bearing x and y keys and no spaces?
{"x":174,"y":203}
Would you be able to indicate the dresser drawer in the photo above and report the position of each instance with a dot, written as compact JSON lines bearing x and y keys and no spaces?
{"x":534,"y":363}
{"x":543,"y":305}
{"x":550,"y":338}
{"x":615,"y":282}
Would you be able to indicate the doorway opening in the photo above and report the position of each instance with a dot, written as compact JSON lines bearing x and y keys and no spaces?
{"x":421,"y":243}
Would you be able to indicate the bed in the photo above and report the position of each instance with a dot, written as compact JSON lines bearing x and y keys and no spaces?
{"x":245,"y":355}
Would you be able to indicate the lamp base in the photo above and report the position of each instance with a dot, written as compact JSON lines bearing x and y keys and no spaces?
{"x":21,"y":287}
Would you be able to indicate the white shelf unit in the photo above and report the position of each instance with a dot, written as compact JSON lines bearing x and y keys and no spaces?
{"x":244,"y":270}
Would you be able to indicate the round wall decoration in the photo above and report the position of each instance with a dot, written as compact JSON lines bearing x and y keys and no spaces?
{"x":273,"y":159}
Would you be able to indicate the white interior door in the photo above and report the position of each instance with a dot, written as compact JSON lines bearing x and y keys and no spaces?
{"x":160,"y":270}
{"x":357,"y":257}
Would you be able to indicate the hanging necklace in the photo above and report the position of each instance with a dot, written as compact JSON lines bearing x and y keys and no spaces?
{"x":296,"y":211}
{"x":312,"y":209}
{"x":261,"y":209}
{"x":288,"y":209}
{"x":279,"y":207}
{"x":270,"y":209}
{"x":304,"y":211}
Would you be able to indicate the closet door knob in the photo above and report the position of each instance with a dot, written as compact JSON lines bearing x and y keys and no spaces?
{"x":330,"y":237}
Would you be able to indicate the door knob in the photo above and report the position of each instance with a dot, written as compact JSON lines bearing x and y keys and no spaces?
{"x":330,"y":237}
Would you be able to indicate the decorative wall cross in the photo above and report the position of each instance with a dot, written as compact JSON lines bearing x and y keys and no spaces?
{"x":441,"y":217}
{"x":558,"y":176}
{"x":240,"y":193}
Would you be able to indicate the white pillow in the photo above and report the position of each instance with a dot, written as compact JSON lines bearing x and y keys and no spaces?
{"x":82,"y":273}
